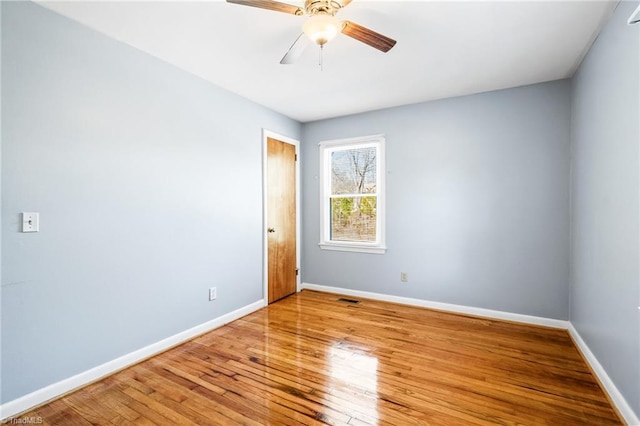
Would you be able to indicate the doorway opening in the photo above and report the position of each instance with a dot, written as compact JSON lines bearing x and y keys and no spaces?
{"x":281,"y":216}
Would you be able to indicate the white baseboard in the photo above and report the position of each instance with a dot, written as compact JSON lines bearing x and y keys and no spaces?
{"x":62,"y":387}
{"x":614,"y":394}
{"x":616,"y":397}
{"x":460,"y":309}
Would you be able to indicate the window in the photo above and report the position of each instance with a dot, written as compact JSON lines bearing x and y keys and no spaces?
{"x":352,"y":194}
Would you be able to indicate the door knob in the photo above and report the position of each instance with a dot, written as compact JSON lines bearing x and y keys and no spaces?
{"x":271,"y":230}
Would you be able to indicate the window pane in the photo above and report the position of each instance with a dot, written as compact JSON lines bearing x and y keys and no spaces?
{"x":354,"y":218}
{"x":353,"y":171}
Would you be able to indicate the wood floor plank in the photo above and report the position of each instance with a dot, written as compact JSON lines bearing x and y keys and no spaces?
{"x":58,"y":413}
{"x":310,"y":360}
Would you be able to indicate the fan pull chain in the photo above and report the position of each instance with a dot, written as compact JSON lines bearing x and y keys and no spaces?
{"x":321,"y":58}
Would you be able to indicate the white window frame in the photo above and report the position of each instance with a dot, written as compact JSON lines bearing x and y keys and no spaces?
{"x":325,"y":150}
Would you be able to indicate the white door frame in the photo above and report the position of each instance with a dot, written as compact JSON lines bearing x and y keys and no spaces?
{"x":265,"y":240}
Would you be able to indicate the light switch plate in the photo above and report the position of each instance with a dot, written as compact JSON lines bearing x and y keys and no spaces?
{"x":30,"y":222}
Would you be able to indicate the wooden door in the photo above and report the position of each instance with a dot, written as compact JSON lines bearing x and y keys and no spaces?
{"x":281,"y":219}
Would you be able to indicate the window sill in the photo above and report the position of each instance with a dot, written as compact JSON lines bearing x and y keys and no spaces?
{"x":353,"y":248}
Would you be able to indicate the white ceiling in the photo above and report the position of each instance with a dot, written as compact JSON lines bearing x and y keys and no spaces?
{"x":444,"y":49}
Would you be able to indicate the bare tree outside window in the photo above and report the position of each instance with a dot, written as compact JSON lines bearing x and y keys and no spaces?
{"x":353,"y":199}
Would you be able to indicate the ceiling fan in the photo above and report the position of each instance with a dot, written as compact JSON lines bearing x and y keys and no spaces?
{"x":321,"y":25}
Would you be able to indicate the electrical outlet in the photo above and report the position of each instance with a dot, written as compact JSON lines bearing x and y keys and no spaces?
{"x":213,"y":293}
{"x":404,"y":277}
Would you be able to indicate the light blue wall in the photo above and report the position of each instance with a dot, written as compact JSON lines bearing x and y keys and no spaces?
{"x":605,"y":292}
{"x":477,"y":201}
{"x":149,"y":186}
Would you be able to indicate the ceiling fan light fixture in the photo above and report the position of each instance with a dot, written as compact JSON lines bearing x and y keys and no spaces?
{"x":321,"y":28}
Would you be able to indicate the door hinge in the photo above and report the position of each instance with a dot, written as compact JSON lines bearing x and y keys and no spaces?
{"x":297,"y":271}
{"x":296,"y":157}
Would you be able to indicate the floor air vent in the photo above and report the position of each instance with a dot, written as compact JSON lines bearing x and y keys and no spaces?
{"x":342,"y":299}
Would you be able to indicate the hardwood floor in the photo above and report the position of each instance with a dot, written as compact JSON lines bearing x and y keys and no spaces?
{"x":311,"y":359}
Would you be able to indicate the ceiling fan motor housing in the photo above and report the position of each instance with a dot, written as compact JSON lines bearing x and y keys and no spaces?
{"x":329,"y":7}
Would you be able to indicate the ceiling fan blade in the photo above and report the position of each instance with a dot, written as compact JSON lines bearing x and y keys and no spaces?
{"x":367,"y":36}
{"x":270,"y":5}
{"x":296,"y":50}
